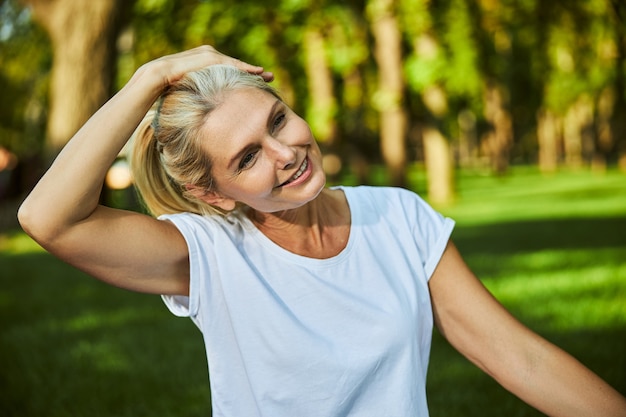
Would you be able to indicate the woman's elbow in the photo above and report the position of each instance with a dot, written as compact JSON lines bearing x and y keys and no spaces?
{"x":34,"y":222}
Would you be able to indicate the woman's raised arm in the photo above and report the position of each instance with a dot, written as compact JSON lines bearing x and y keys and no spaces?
{"x":62,"y":213}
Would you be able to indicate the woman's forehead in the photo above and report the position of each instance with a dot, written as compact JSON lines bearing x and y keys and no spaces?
{"x":241,"y":108}
{"x":242,"y":115}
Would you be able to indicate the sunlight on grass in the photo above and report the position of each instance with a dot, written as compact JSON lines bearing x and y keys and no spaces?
{"x":18,"y":243}
{"x":561,"y":298}
{"x":553,"y":247}
{"x":527,"y":194}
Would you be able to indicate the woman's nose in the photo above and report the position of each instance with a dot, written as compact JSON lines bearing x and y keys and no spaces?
{"x":284,"y":155}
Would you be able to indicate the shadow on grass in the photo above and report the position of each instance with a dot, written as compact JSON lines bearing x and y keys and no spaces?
{"x":72,"y":346}
{"x":535,"y":235}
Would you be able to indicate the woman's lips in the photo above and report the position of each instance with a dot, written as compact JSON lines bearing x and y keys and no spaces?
{"x":304,"y":168}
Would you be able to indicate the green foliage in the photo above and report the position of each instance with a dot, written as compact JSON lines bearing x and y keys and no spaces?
{"x":25,"y":61}
{"x":541,"y":54}
{"x":462,"y":70}
{"x":582,"y":51}
{"x":346,"y":33}
{"x":424,"y":72}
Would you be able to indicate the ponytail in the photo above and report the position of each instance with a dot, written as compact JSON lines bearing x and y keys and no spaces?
{"x":158,"y":190}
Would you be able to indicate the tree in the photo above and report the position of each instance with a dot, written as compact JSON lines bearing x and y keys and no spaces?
{"x":617,"y":16}
{"x":23,"y":110}
{"x":389,"y":98}
{"x":322,"y":102}
{"x":83,"y":36}
{"x":426,"y":73}
{"x":583,"y":94}
{"x":510,"y":74}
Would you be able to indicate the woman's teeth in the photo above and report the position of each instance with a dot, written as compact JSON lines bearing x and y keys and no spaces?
{"x":303,"y":167}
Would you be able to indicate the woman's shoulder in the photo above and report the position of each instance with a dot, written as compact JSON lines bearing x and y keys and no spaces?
{"x":392,"y":203}
{"x":188,"y":222}
{"x":370,"y":193}
{"x":186,"y":218}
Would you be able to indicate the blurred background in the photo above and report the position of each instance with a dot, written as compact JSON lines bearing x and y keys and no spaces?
{"x":400,"y":84}
{"x":508,"y":115}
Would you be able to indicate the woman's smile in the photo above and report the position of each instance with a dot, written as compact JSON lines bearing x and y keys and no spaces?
{"x":301,"y":174}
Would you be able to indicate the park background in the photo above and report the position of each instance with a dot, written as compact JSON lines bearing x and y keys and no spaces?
{"x":507,"y":115}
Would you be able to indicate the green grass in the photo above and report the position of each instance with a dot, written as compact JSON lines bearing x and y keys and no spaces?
{"x":552,"y":249}
{"x":72,"y":346}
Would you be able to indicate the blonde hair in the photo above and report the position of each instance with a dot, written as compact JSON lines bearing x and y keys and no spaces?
{"x":167,"y":154}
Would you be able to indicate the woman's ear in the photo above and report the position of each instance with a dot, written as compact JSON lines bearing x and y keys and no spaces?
{"x":212,"y":197}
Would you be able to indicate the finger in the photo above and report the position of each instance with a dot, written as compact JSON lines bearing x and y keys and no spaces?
{"x":244,"y":66}
{"x":254,"y":69}
{"x":267,"y":76}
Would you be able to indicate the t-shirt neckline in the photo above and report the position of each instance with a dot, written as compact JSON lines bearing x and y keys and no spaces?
{"x":277,"y":250}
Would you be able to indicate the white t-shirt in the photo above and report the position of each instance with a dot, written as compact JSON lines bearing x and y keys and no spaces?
{"x":291,"y":336}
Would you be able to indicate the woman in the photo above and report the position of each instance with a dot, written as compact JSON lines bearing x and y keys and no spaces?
{"x":312,"y":301}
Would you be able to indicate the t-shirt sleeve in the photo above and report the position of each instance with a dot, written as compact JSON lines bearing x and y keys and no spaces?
{"x":187,"y":306}
{"x":431,"y":231}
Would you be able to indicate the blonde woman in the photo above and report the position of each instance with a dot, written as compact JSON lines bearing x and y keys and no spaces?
{"x":312,"y":301}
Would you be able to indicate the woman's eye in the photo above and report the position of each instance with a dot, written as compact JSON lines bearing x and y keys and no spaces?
{"x":278,"y":121}
{"x":247,"y":160}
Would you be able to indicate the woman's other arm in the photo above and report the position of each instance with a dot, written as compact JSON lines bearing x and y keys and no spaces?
{"x":533,"y":369}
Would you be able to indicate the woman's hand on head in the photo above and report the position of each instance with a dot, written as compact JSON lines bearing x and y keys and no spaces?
{"x":171,"y":68}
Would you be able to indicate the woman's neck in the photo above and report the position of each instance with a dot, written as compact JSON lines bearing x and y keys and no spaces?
{"x":320,"y":229}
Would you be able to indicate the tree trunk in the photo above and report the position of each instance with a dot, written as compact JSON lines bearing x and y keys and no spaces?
{"x":467,"y":139}
{"x":618,"y":121}
{"x":604,"y":134}
{"x":500,"y":139}
{"x":282,"y":77}
{"x":322,"y":106}
{"x":548,"y":138}
{"x":83,"y":35}
{"x":576,"y":127}
{"x":437,"y":152}
{"x":390,"y":95}
{"x":439,"y":166}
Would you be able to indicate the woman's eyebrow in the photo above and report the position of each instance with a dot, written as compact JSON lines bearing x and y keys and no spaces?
{"x":246,"y":147}
{"x":270,"y":117}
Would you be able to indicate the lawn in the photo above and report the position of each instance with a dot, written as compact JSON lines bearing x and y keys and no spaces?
{"x":552,"y":249}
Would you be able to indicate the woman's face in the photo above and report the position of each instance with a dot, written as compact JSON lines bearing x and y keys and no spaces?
{"x":263,"y":154}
